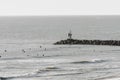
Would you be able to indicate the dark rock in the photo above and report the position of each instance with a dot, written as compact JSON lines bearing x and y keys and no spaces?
{"x":88,"y":42}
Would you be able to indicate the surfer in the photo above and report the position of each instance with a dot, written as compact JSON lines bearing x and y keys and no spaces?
{"x":5,"y":50}
{"x":23,"y":50}
{"x":40,"y":46}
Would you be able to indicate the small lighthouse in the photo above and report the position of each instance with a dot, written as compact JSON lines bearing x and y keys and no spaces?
{"x":70,"y":35}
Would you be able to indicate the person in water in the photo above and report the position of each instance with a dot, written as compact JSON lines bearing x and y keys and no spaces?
{"x":23,"y":50}
{"x":40,"y":46}
{"x":5,"y":50}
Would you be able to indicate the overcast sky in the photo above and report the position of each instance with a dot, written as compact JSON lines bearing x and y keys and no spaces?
{"x":59,"y":7}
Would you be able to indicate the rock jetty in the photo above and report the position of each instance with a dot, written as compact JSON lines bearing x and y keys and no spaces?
{"x":71,"y":41}
{"x":88,"y":42}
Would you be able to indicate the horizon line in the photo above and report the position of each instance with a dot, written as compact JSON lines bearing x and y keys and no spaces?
{"x":56,"y":15}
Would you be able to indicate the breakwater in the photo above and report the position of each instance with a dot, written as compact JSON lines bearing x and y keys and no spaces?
{"x":88,"y":42}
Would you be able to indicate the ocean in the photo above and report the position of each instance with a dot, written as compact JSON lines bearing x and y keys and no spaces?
{"x":27,"y":51}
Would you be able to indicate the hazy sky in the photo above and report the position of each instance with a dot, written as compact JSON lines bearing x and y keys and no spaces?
{"x":59,"y":7}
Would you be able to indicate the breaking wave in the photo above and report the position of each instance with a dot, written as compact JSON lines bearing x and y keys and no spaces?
{"x":32,"y":74}
{"x":88,"y":62}
{"x":50,"y":68}
{"x":4,"y":78}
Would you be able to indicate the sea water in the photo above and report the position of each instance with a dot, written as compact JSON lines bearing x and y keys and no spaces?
{"x":27,"y":51}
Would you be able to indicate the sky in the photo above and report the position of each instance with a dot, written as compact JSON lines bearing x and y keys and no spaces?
{"x":59,"y":7}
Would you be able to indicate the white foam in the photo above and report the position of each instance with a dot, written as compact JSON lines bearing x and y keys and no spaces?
{"x":112,"y":79}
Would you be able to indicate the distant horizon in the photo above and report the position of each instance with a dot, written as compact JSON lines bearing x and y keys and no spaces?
{"x":109,"y":15}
